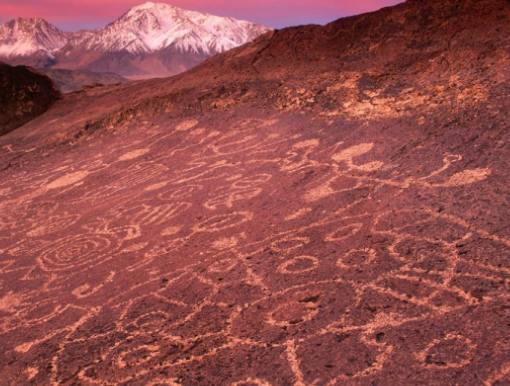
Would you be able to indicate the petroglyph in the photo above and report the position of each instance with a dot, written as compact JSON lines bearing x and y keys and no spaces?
{"x":67,"y":180}
{"x":188,"y":264}
{"x":257,"y":255}
{"x":467,"y":177}
{"x":133,"y":154}
{"x":9,"y":302}
{"x":186,"y":125}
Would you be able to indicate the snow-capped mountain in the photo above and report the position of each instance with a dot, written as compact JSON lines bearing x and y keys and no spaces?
{"x":152,"y":27}
{"x":152,"y":39}
{"x":32,"y":37}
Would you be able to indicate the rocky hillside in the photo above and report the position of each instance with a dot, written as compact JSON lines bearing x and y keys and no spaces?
{"x":75,"y":80}
{"x":327,"y":205}
{"x":24,"y":94}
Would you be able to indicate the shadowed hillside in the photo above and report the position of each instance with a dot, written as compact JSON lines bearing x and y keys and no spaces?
{"x":75,"y":80}
{"x":24,"y":95}
{"x":327,"y":205}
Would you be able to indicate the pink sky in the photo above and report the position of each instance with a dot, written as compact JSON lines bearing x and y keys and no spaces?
{"x":75,"y":14}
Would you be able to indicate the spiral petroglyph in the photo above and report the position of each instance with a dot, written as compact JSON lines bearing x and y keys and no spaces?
{"x":77,"y":251}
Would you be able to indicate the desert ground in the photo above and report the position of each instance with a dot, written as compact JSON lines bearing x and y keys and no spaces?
{"x":328,"y":205}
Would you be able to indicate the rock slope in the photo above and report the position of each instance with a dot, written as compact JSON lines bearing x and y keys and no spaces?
{"x":76,"y":80}
{"x":323,"y":206}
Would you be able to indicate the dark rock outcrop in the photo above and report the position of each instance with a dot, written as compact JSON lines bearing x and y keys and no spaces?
{"x":24,"y":94}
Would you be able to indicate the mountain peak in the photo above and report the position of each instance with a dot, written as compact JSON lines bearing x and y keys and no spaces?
{"x":151,"y":5}
{"x":28,"y":22}
{"x":28,"y":36}
{"x":163,"y":13}
{"x":151,"y":27}
{"x":146,"y":5}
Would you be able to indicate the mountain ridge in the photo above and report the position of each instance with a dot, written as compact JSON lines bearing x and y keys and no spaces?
{"x":30,"y":37}
{"x":149,"y":39}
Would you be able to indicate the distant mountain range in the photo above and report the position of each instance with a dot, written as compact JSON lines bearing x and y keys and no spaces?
{"x":150,"y":40}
